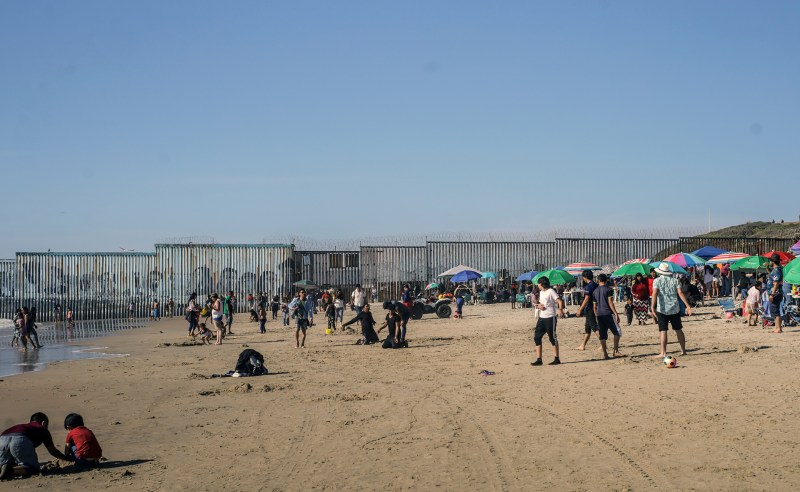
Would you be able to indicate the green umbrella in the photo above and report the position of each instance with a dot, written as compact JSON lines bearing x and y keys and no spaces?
{"x":305,"y":284}
{"x":751,"y":264}
{"x":791,"y":272}
{"x":489,"y":275}
{"x":556,"y":277}
{"x":631,"y":269}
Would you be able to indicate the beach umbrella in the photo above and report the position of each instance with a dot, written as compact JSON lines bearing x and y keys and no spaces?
{"x":637,"y":260}
{"x":785,"y":257}
{"x":527,"y":276}
{"x":581,"y":266}
{"x":796,"y":248}
{"x":432,"y":285}
{"x":631,"y":269}
{"x":466,"y":276}
{"x":708,"y":252}
{"x":305,"y":284}
{"x":726,"y":258}
{"x":556,"y":277}
{"x":685,"y":260}
{"x":489,"y":275}
{"x":673,"y":267}
{"x":791,"y":272}
{"x":751,"y":264}
{"x":793,"y":277}
{"x":456,"y":269}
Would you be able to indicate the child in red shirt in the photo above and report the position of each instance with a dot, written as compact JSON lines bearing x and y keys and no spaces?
{"x":81,"y":443}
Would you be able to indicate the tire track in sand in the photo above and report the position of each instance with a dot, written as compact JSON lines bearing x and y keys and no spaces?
{"x":577,"y":430}
{"x":499,"y":465}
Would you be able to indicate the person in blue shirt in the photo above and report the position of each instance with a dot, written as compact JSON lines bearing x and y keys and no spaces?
{"x":301,"y":309}
{"x":775,"y":290}
{"x":587,"y":307}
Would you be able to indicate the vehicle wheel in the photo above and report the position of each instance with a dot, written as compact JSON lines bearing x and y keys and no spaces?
{"x":444,"y":311}
{"x":417,"y":311}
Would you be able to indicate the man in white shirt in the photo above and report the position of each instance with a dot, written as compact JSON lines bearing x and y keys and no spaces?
{"x":358,"y":298}
{"x":548,"y":301}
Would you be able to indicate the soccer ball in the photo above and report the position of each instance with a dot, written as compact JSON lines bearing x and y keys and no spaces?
{"x":670,"y":361}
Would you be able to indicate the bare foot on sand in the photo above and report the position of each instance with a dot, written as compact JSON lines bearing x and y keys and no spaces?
{"x":777,"y":331}
{"x":618,"y":354}
{"x":580,"y":347}
{"x":659,"y":356}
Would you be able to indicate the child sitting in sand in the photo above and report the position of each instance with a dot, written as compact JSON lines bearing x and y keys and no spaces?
{"x":81,"y":443}
{"x":204,"y":333}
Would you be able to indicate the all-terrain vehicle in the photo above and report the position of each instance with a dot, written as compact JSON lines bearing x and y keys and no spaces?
{"x":423,"y":306}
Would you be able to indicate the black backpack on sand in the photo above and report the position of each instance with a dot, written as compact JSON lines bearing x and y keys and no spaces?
{"x":251,"y":363}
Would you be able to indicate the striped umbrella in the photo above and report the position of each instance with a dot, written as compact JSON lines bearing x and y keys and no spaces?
{"x":579,"y":267}
{"x":685,"y":260}
{"x":726,"y":258}
{"x":637,"y":260}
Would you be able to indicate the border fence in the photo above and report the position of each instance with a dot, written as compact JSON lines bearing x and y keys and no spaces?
{"x":103,"y":285}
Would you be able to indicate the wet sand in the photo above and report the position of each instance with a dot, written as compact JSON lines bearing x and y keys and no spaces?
{"x":339,"y":416}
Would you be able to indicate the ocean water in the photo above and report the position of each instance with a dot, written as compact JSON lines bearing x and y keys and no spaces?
{"x":59,"y":343}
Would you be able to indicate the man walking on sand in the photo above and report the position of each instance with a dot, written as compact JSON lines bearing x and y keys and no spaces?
{"x":606,"y":314}
{"x":587,"y":307}
{"x":358,"y":298}
{"x":548,"y":300}
{"x":300,"y":309}
{"x":664,"y":303}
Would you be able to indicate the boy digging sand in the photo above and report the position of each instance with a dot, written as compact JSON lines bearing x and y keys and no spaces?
{"x":81,"y":443}
{"x":18,"y":447}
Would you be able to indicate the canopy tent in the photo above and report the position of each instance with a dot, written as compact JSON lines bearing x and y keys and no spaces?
{"x":708,"y":252}
{"x":456,"y":269}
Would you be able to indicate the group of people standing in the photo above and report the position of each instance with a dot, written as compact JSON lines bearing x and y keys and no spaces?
{"x":601,"y":314}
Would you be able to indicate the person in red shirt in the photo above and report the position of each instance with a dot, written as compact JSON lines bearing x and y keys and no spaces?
{"x":650,"y":280}
{"x":18,"y":446}
{"x":81,"y":443}
{"x":641,"y":298}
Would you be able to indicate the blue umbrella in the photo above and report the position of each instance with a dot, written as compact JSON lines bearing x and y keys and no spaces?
{"x":708,"y":252}
{"x":489,"y":275}
{"x":465,"y":276}
{"x":673,"y":267}
{"x":527,"y":276}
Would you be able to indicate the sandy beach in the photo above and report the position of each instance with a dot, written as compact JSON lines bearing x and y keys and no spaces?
{"x":339,"y":416}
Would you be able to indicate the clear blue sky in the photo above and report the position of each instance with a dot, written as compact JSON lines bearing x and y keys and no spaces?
{"x":123,"y":123}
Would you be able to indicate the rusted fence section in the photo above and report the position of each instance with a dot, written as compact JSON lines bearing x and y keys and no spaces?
{"x":208,"y":268}
{"x":507,"y":259}
{"x":387,"y":268}
{"x":94,"y":285}
{"x":329,"y":269}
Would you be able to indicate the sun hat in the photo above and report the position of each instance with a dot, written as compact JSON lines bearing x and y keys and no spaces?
{"x":663,"y":269}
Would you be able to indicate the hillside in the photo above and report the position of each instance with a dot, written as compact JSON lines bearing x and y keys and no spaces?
{"x":789,"y":230}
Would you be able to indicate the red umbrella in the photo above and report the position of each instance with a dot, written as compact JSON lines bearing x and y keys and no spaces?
{"x":785,"y":257}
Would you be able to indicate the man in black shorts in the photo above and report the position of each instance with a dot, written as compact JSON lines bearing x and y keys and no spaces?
{"x":587,"y":308}
{"x":606,"y":313}
{"x":664,"y":302}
